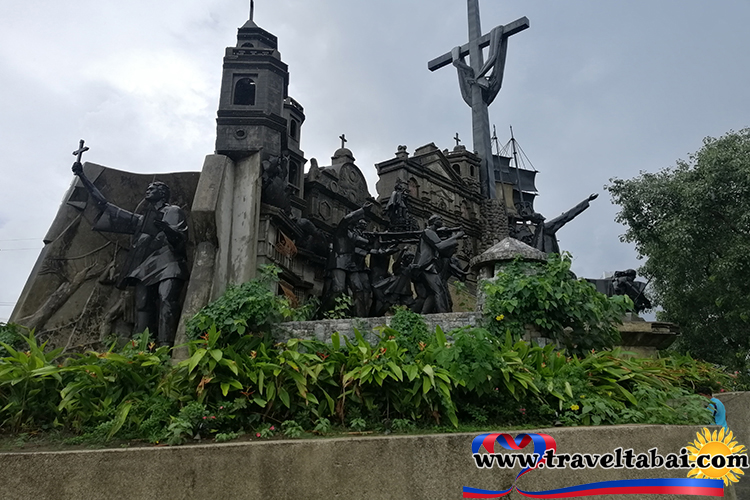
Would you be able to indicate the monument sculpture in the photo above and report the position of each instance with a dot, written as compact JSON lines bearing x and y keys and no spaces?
{"x":275,"y":189}
{"x":397,"y":209}
{"x":156,"y":264}
{"x":348,"y":273}
{"x":545,"y":234}
{"x":253,"y":204}
{"x":477,"y":89}
{"x":433,"y":295}
{"x":624,"y":283}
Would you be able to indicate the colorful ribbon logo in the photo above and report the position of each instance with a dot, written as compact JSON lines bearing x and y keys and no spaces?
{"x":544,"y":442}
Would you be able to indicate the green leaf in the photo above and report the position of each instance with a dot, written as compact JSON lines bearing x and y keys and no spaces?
{"x":568,"y":389}
{"x":426,"y":385}
{"x":430,"y":373}
{"x":120,"y":417}
{"x":395,"y":370}
{"x":284,"y":397}
{"x":195,"y":359}
{"x":216,"y":354}
{"x":440,"y":336}
{"x":411,"y":371}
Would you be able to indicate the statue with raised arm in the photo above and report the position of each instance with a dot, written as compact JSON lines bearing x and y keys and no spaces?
{"x":545,"y":235}
{"x":156,"y":263}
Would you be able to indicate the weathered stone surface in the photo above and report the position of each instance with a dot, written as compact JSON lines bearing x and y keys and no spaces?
{"x":415,"y":467}
{"x":494,"y":223}
{"x":322,"y":330}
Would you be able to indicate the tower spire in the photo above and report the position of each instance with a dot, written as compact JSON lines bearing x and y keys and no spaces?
{"x":252,"y":9}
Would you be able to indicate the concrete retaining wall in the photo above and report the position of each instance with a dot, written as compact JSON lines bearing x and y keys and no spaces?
{"x":389,"y":467}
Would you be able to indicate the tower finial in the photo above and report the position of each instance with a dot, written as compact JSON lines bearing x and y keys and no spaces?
{"x":252,"y":9}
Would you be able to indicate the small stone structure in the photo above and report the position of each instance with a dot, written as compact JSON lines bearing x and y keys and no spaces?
{"x":490,"y":263}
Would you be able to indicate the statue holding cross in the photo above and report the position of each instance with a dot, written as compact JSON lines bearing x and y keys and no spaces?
{"x":477,"y":89}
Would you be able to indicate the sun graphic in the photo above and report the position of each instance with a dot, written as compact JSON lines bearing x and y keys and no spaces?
{"x":713,"y":444}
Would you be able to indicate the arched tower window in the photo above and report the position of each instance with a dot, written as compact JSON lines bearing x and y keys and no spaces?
{"x":293,"y":129}
{"x":248,"y":45}
{"x":457,"y":168}
{"x":244,"y":92}
{"x":471,"y":170}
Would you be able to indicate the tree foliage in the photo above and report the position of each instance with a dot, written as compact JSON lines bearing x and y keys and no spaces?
{"x":692,"y":223}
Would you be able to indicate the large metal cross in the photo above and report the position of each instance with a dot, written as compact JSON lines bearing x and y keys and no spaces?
{"x":477,"y":89}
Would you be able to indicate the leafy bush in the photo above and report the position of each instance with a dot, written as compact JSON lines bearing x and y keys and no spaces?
{"x":550,"y":299}
{"x":11,"y":334}
{"x":248,"y":308}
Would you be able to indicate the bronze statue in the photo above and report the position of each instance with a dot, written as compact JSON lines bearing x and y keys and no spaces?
{"x":432,"y":292}
{"x":545,"y":235}
{"x":624,"y":283}
{"x":274,"y":185}
{"x":156,"y":263}
{"x":347,"y":270}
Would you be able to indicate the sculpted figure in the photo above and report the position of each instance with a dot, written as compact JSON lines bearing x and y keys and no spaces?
{"x":396,"y":206}
{"x":432,"y":293}
{"x":274,"y":186}
{"x":381,"y":279}
{"x":623,"y":283}
{"x":348,"y":272}
{"x":545,"y":236}
{"x":312,"y":239}
{"x":450,"y":266}
{"x":156,"y":263}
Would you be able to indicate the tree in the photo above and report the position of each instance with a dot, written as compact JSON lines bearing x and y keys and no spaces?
{"x":692,"y":223}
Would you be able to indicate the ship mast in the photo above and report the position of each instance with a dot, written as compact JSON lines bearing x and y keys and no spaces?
{"x":515,"y":162}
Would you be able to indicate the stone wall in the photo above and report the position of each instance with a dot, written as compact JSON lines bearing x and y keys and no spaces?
{"x":384,"y":467}
{"x":322,"y":330}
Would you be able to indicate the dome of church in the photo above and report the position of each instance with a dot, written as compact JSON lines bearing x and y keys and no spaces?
{"x":343,"y":152}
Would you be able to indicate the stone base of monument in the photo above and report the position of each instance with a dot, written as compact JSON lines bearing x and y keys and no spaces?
{"x":643,"y":338}
{"x":323,"y":329}
{"x":646,"y":338}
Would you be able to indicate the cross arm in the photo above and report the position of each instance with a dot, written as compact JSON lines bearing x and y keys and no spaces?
{"x":510,"y":29}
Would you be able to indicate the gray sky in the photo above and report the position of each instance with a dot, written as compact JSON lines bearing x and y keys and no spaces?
{"x":594,"y":89}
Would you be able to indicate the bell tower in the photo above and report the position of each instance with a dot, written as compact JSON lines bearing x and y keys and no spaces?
{"x":253,"y":92}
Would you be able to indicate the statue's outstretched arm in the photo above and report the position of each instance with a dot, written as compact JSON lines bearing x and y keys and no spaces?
{"x":101,"y":201}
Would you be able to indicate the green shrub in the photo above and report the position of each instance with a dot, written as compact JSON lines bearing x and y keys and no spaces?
{"x":12,"y":335}
{"x":248,"y":308}
{"x":548,"y":297}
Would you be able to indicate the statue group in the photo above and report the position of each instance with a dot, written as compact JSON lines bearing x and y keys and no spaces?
{"x":417,"y":279}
